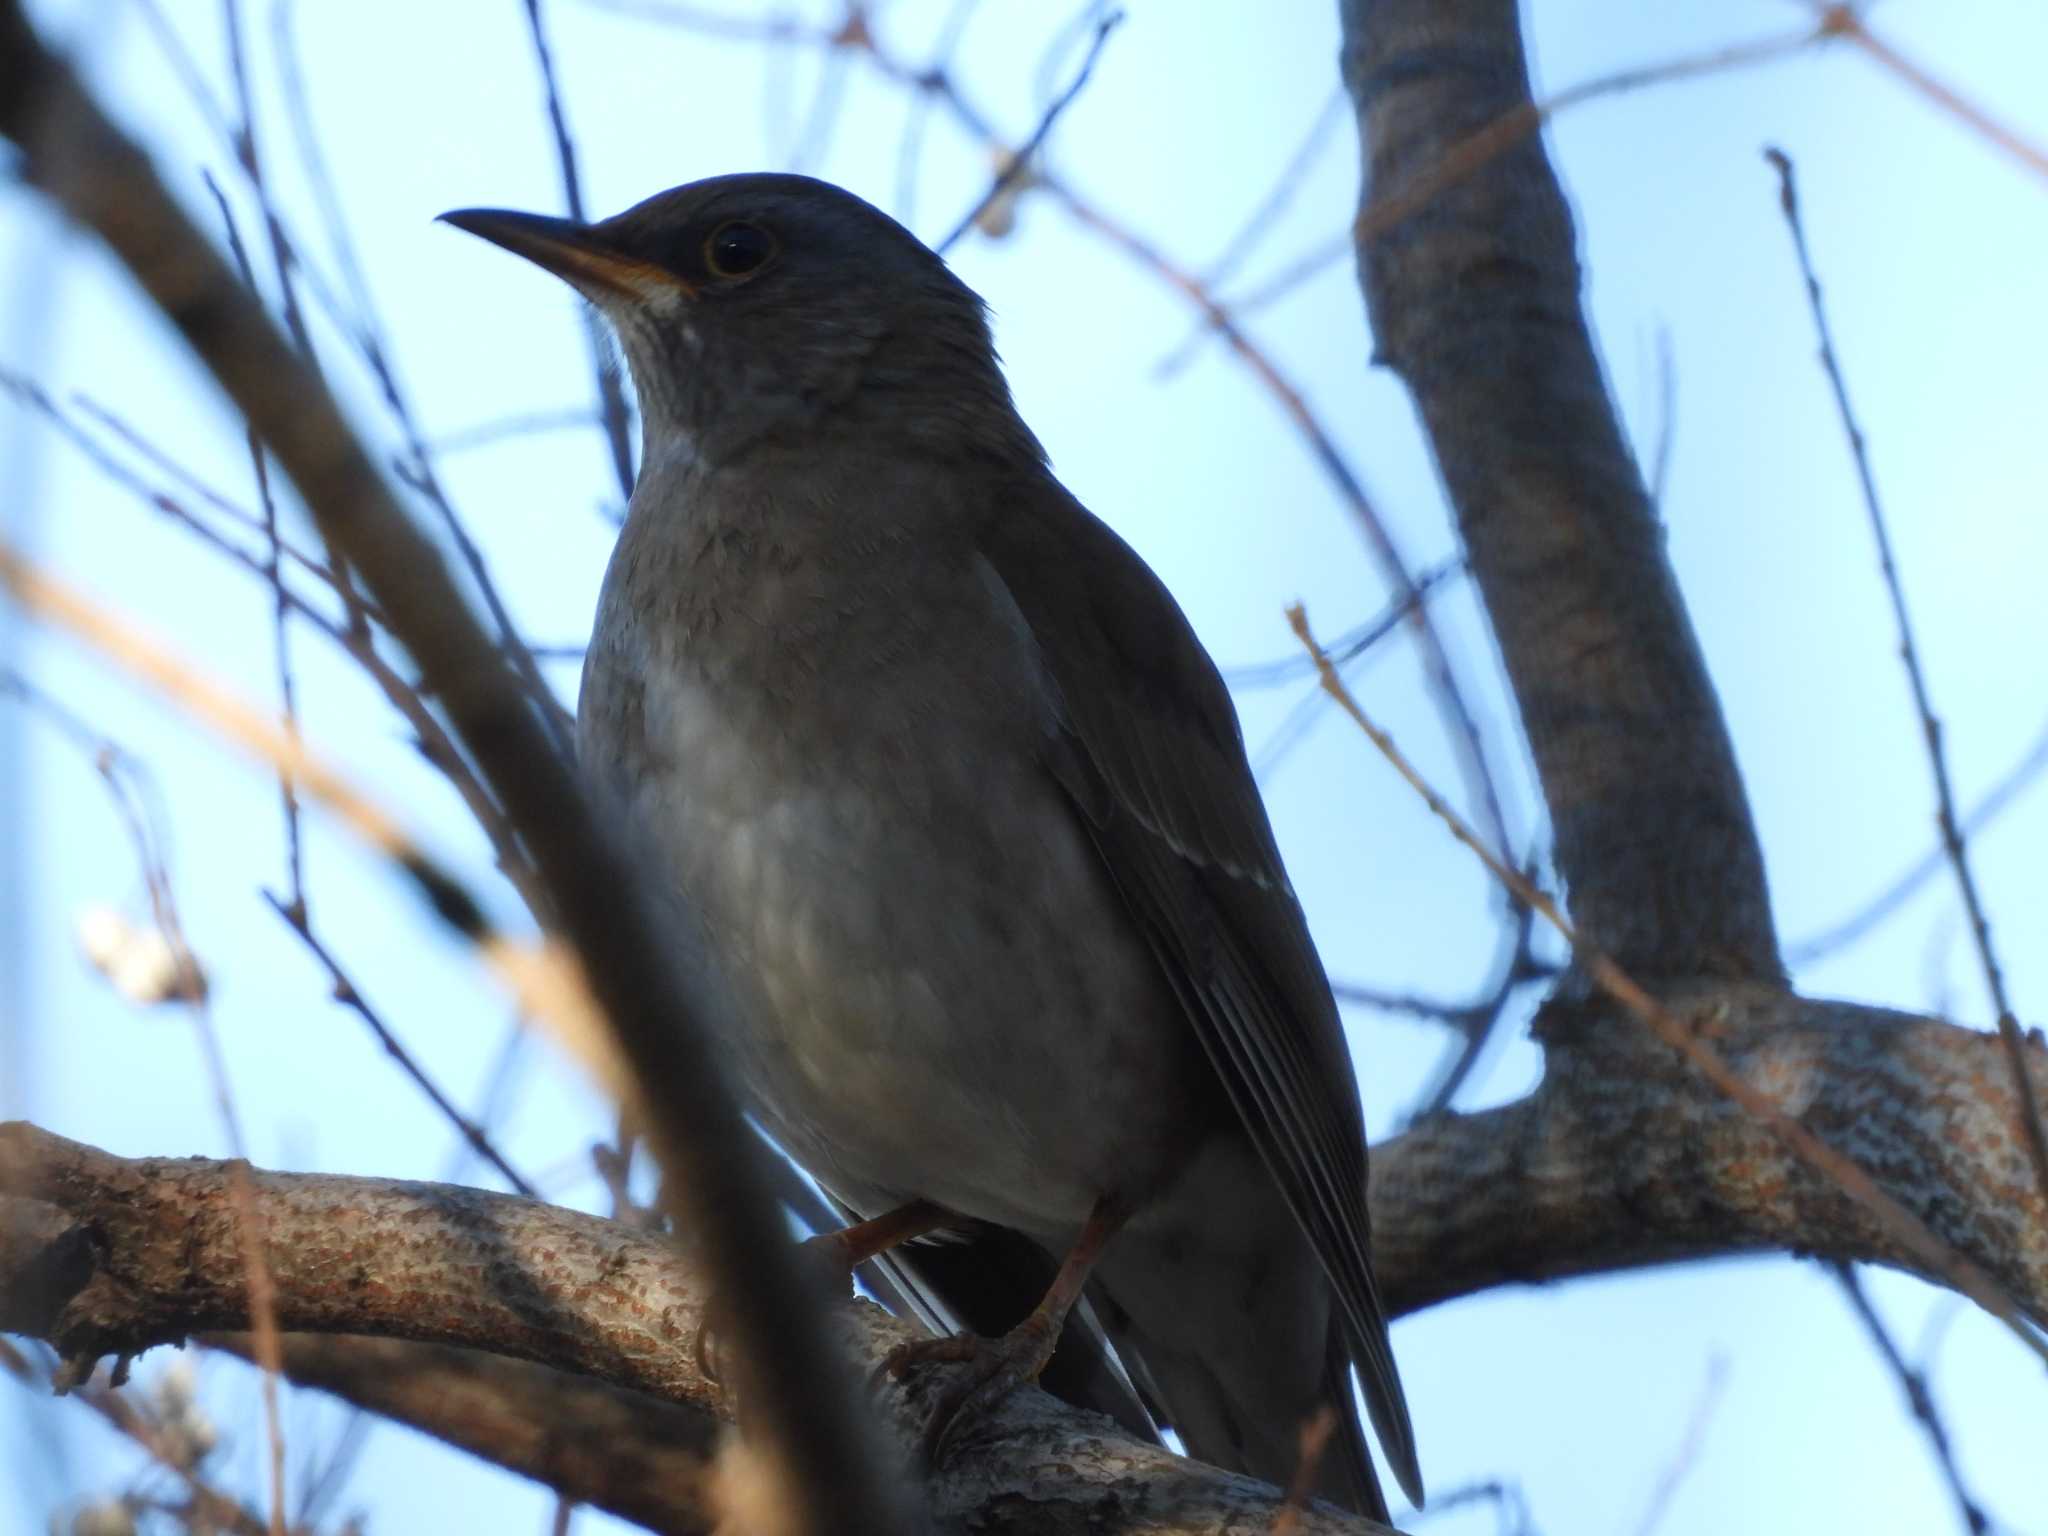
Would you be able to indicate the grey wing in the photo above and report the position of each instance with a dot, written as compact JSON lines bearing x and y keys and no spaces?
{"x":1147,"y":746}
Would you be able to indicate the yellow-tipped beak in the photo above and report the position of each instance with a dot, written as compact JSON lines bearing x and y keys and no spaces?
{"x":579,"y":254}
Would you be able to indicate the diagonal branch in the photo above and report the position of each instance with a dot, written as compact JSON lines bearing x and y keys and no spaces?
{"x":1474,"y":298}
{"x":655,"y":1004}
{"x":611,"y":392}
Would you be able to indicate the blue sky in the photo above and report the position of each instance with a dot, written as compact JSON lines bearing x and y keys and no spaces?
{"x":1929,"y":242}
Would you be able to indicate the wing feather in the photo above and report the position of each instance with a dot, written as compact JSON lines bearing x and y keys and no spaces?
{"x":1145,"y":742}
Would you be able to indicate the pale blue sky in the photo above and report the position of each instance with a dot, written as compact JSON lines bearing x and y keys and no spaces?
{"x":1930,"y":243}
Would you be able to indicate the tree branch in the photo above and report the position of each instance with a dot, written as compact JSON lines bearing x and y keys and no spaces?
{"x":624,"y":1452}
{"x":1629,"y":1159}
{"x":594,"y":889}
{"x":1474,"y":300}
{"x":108,"y":1255}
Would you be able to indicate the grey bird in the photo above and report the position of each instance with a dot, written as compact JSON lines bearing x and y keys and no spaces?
{"x":960,"y":808}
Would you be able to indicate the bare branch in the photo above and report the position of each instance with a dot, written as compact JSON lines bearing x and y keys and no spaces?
{"x":1918,"y":1398}
{"x":1843,"y":21}
{"x":2023,"y":775}
{"x":1018,"y":164}
{"x":611,"y":393}
{"x":273,"y":564}
{"x":133,"y":1252}
{"x":1682,"y":1460}
{"x":345,"y":992}
{"x":1653,"y":832}
{"x":1626,"y":1158}
{"x":624,"y":1452}
{"x":1911,"y":1235}
{"x":805,"y":1411}
{"x":1909,"y":653}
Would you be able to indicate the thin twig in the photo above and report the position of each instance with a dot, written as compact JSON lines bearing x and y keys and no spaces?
{"x":544,"y":977}
{"x":1260,"y":221}
{"x":1919,"y":1398}
{"x":1689,"y":1443}
{"x":1446,"y":691}
{"x":1480,"y":148}
{"x":345,"y":992}
{"x":1844,"y":21}
{"x":2010,"y":785}
{"x":525,"y":424}
{"x":1346,"y":651}
{"x":1952,"y":839}
{"x":356,"y":640}
{"x":416,"y":466}
{"x":1479,"y":1020}
{"x":1348,"y":646}
{"x":33,"y":396}
{"x":247,"y":152}
{"x":809,"y":144}
{"x":273,"y":572}
{"x":1505,"y":1497}
{"x":909,"y":152}
{"x":120,"y":769}
{"x":611,"y":394}
{"x":1257,"y":225}
{"x":1018,"y":165}
{"x":210,"y":1510}
{"x":1845,"y":1173}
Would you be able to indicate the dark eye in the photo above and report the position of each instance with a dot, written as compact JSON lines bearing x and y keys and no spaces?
{"x":737,"y":248}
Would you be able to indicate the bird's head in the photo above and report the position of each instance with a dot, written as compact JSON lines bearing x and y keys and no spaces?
{"x":755,"y":305}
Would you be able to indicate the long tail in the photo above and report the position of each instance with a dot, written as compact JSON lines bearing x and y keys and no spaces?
{"x":1244,"y":1425}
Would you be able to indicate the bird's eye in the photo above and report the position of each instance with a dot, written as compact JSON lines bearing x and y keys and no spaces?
{"x":738,"y":249}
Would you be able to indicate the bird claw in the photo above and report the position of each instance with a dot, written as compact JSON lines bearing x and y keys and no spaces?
{"x":994,"y":1368}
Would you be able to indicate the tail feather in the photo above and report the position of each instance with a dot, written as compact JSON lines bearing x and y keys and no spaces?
{"x":1228,"y":1425}
{"x":1347,"y":1476}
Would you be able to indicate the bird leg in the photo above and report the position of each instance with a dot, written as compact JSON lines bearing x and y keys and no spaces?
{"x":833,"y":1257}
{"x":850,"y":1247}
{"x":997,"y":1367}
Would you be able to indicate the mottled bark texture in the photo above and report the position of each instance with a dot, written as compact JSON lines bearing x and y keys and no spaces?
{"x":111,"y":1256}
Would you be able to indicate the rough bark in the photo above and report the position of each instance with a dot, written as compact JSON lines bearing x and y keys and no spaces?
{"x":1624,"y":1158}
{"x":1474,"y":302}
{"x":1624,"y":1161}
{"x":613,"y":1449}
{"x":108,"y":1255}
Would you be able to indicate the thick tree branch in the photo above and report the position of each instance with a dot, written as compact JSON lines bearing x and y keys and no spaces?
{"x":1624,"y":1157}
{"x":624,"y":1452}
{"x":1474,"y":300}
{"x":593,"y":889}
{"x":111,"y":1255}
{"x":1625,"y":1160}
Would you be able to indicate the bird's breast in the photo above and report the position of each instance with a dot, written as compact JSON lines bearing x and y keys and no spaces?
{"x":939,"y":991}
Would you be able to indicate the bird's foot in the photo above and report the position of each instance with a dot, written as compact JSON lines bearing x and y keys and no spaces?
{"x":994,"y":1368}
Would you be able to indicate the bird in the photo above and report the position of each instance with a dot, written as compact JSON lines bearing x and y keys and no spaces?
{"x":941,"y":779}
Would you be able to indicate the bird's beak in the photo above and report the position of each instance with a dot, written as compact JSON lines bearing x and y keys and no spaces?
{"x":579,"y":254}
